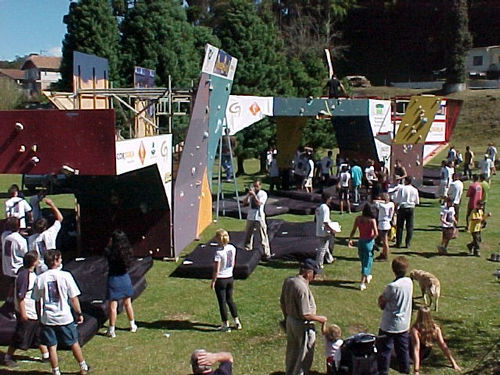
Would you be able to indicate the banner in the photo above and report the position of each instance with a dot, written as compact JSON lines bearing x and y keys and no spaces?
{"x":219,"y":63}
{"x":380,"y":116}
{"x":133,"y":154}
{"x":243,"y":111}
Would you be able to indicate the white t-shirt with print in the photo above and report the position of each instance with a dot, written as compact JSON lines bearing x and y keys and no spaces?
{"x":332,"y":349}
{"x":41,"y":242}
{"x":54,"y":288}
{"x":226,"y":258}
{"x":17,"y":207}
{"x":345,"y":177}
{"x":256,"y":213}
{"x":29,"y":303}
{"x":447,"y":214}
{"x":385,"y":214}
{"x":14,"y":246}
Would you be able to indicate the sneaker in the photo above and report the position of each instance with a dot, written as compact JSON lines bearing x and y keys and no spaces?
{"x":470,"y":246}
{"x":238,"y":325}
{"x":442,"y":250}
{"x":133,"y":328}
{"x":362,"y":286}
{"x":369,"y":279}
{"x":85,"y":371}
{"x":381,"y":258}
{"x":11,"y":363}
{"x":110,"y":333}
{"x":224,"y":329}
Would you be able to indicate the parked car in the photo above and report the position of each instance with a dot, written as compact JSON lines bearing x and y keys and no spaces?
{"x":358,"y":81}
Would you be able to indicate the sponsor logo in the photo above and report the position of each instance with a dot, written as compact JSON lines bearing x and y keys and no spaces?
{"x":142,"y":153}
{"x":153,"y":150}
{"x":235,"y":108}
{"x":379,"y":109}
{"x":164,"y":149}
{"x":254,"y":108}
{"x":124,"y":155}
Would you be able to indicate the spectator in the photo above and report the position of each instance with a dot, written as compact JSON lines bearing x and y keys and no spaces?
{"x":333,"y":342}
{"x":455,"y":193}
{"x":27,"y":326}
{"x":485,"y":189}
{"x":309,"y":173}
{"x":35,"y":200}
{"x":326,"y":168}
{"x":406,"y":200}
{"x":452,"y":156}
{"x":468,"y":162}
{"x":324,"y":232}
{"x":299,"y":310}
{"x":476,"y":222}
{"x":492,"y":155}
{"x":370,"y":176}
{"x":386,"y":211}
{"x":445,"y":180}
{"x":299,"y":170}
{"x":448,"y":225}
{"x":53,"y":289}
{"x":256,"y":218}
{"x":367,"y":232}
{"x":119,"y":256}
{"x":343,"y":187}
{"x":356,"y":175}
{"x":222,"y":279}
{"x":485,"y":166}
{"x":395,"y":303}
{"x":202,"y":361}
{"x":474,"y":193}
{"x":274,"y":173}
{"x":399,"y":173}
{"x":423,"y":333}
{"x":16,"y":206}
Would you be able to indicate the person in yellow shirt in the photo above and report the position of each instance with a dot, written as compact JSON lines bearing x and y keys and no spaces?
{"x":476,"y":221}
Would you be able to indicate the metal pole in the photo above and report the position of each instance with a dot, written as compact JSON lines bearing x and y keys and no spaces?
{"x":235,"y":183}
{"x":219,"y":182}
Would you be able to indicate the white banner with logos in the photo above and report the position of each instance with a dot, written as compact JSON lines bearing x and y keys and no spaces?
{"x":219,"y":63}
{"x":380,"y":116}
{"x":133,"y":154}
{"x":243,"y":111}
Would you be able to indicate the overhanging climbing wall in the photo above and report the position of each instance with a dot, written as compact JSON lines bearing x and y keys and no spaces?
{"x":192,"y":202}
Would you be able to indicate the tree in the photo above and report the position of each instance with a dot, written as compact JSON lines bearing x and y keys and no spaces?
{"x":459,"y":41}
{"x":11,"y":95}
{"x":92,"y":29}
{"x":248,"y":33}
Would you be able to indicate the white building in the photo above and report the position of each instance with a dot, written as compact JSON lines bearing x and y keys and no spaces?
{"x":482,"y":59}
{"x":40,"y":72}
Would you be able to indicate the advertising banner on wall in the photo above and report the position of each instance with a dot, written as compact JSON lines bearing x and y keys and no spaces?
{"x":243,"y":111}
{"x":219,"y":63}
{"x":133,"y":154}
{"x":380,"y":116}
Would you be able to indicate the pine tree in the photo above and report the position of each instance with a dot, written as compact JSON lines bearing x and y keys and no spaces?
{"x":459,"y":41}
{"x":92,"y":29}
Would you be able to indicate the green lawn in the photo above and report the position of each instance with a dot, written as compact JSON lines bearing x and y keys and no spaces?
{"x":187,"y":310}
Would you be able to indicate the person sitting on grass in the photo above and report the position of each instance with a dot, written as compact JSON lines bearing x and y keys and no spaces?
{"x":333,"y":342}
{"x":422,"y":334}
{"x":28,"y":326}
{"x":202,"y":361}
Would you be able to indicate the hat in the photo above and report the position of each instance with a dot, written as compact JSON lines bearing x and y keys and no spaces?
{"x":310,"y":264}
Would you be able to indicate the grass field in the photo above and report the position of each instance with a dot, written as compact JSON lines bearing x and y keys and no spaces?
{"x":186,"y":309}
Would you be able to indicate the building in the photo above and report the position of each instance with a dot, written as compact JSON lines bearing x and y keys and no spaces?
{"x":16,"y":75}
{"x":40,"y":72}
{"x":481,"y":60}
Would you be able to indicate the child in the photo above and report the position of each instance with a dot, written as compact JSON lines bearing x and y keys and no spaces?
{"x":27,"y":327}
{"x":476,"y":220}
{"x":448,"y":223}
{"x":333,"y":342}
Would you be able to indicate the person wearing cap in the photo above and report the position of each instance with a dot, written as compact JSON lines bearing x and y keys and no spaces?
{"x":202,"y":361}
{"x":299,"y":310}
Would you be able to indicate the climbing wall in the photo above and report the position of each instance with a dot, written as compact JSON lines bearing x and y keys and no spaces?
{"x":288,"y":135}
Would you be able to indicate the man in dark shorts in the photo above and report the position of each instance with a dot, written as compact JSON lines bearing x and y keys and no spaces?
{"x":28,"y":326}
{"x":53,"y":289}
{"x":344,"y":185}
{"x":202,"y":361}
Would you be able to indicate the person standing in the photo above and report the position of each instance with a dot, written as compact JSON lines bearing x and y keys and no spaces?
{"x":45,"y":238}
{"x":485,"y":166}
{"x":455,"y":193}
{"x":357,"y":176}
{"x":34,"y":202}
{"x":56,"y":292}
{"x":222,"y":279}
{"x":395,"y":303}
{"x":492,"y":155}
{"x":309,"y":174}
{"x":335,"y":88}
{"x":326,"y":168}
{"x":447,"y":171}
{"x":344,"y":183}
{"x":452,"y":155}
{"x":324,"y":231}
{"x":386,"y":211}
{"x":399,"y":173}
{"x":468,"y":162}
{"x":370,"y":176}
{"x":299,"y":310}
{"x":16,"y":206}
{"x":256,"y":218}
{"x":406,"y":200}
{"x":476,"y":222}
{"x":485,"y":189}
{"x":274,"y":173}
{"x":367,"y":233}
{"x":474,"y":193}
{"x":448,"y":225}
{"x":119,"y":256}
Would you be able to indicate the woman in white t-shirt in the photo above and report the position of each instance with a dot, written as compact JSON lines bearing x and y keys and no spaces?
{"x":222,"y":279}
{"x":385,"y":214}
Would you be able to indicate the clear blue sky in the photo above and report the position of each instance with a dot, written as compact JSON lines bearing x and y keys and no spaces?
{"x":31,"y":26}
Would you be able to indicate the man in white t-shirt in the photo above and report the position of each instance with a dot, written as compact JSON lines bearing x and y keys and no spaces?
{"x":455,"y":192}
{"x":324,"y":232}
{"x":343,"y":187}
{"x":256,"y":218}
{"x":406,"y":199}
{"x":14,"y":247}
{"x":485,"y":166}
{"x":16,"y":206}
{"x":309,"y":174}
{"x":386,"y":211}
{"x":492,"y":155}
{"x":395,"y":303}
{"x":45,"y":238}
{"x":53,"y":289}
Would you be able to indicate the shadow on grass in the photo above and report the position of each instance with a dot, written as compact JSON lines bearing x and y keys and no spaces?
{"x":178,"y":325}
{"x":280,"y":264}
{"x":17,"y":371}
{"x":349,"y":259}
{"x":346,"y":284}
{"x":283,"y":373}
{"x":431,"y":255}
{"x":430,"y":228}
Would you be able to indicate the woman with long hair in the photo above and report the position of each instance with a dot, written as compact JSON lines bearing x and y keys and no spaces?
{"x":367,"y":226}
{"x":422,"y":334}
{"x":119,"y":256}
{"x":222,"y":279}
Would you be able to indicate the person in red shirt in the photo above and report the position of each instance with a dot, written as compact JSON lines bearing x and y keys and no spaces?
{"x":474,"y":193}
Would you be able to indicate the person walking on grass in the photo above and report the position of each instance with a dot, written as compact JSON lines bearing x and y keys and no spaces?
{"x":324,"y":232}
{"x":423,"y":333}
{"x":368,"y":231}
{"x":448,"y":225}
{"x":476,"y":222}
{"x":468,"y":162}
{"x":474,"y":193}
{"x":256,"y":218}
{"x":53,"y":289}
{"x":27,"y":326}
{"x":455,"y":193}
{"x":343,"y":187}
{"x":222,"y":279}
{"x":386,"y":211}
{"x":119,"y":256}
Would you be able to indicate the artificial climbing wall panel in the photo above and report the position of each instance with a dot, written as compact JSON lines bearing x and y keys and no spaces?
{"x":411,"y":157}
{"x":288,"y":135}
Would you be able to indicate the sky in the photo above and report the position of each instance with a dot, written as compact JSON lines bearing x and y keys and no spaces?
{"x":31,"y":26}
